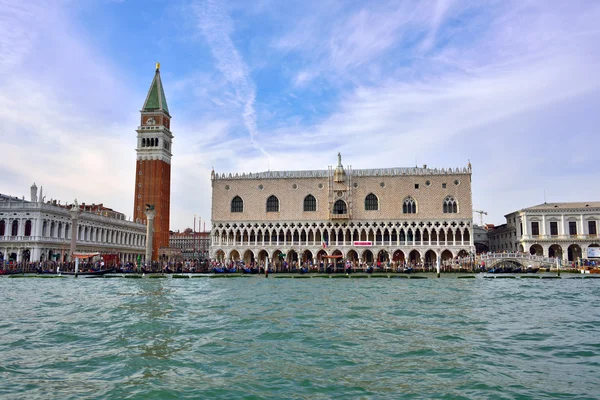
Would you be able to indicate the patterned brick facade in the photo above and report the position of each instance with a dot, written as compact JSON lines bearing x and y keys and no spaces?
{"x":387,"y":232}
{"x":153,"y":186}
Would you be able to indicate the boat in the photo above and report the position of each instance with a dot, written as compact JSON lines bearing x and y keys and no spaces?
{"x":224,"y":270}
{"x":90,"y":273}
{"x":589,"y":270}
{"x":10,"y":271}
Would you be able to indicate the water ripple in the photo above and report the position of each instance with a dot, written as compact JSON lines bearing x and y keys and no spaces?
{"x":300,"y":339}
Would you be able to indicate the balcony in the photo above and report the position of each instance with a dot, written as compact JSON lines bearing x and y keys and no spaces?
{"x":559,"y":237}
{"x":337,"y":217}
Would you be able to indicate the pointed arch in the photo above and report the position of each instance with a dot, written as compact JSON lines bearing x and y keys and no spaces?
{"x":340,"y":207}
{"x":450,"y":205}
{"x":409,"y":206}
{"x":371,"y":202}
{"x":272,"y":204}
{"x":237,"y":205}
{"x":310,"y":203}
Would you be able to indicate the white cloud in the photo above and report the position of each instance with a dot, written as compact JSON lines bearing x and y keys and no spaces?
{"x":510,"y":85}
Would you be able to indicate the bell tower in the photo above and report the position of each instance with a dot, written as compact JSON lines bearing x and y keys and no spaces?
{"x":153,"y":163}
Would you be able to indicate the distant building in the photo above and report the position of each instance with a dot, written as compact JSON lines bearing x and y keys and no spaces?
{"x":565,"y":230}
{"x":400,"y":214}
{"x":192,"y":245}
{"x":39,"y":230}
{"x":480,"y":234}
{"x":503,"y":238}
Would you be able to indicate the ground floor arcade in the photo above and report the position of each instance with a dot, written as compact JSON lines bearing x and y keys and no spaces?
{"x":281,"y":257}
{"x":33,"y":253}
{"x":567,"y":251}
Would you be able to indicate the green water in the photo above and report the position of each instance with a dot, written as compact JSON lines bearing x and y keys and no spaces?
{"x":299,"y":338}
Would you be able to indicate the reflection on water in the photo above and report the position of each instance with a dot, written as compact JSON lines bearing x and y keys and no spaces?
{"x":283,"y":338}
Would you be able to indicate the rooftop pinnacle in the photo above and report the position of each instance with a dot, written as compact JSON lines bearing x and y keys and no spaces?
{"x":156,"y":100}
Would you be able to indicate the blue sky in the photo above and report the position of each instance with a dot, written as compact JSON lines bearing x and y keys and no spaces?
{"x":512,"y":86}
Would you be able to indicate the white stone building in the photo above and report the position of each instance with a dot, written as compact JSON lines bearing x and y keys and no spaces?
{"x":480,"y":234}
{"x":397,"y":214}
{"x":192,"y":245}
{"x":564,"y":230}
{"x":39,"y":230}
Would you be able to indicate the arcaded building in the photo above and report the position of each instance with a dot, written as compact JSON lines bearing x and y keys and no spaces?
{"x":565,"y":230}
{"x":389,"y":214}
{"x":37,"y":230}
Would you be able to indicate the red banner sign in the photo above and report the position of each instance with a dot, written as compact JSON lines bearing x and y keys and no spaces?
{"x":363,"y":243}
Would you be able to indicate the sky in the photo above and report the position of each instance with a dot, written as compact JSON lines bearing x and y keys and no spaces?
{"x":511,"y":86}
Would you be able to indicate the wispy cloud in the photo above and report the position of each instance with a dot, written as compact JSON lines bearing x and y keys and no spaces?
{"x":216,"y":25}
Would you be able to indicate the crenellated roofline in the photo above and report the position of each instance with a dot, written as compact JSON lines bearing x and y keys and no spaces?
{"x":414,"y":171}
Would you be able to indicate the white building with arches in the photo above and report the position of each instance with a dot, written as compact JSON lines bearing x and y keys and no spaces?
{"x":39,"y":230}
{"x":563,"y":230}
{"x":406,"y":215}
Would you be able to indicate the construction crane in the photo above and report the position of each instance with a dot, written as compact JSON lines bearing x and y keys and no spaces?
{"x":481,"y":213}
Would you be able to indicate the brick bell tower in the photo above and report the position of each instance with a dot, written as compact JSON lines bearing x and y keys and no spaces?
{"x":153,"y":163}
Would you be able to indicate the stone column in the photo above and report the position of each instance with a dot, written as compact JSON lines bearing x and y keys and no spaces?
{"x":543,"y":230}
{"x":75,"y":212}
{"x":150,"y":214}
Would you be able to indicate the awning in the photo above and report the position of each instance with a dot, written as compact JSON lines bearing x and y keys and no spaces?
{"x":85,"y":255}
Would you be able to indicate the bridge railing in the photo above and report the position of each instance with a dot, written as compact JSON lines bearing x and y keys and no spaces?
{"x":519,"y":256}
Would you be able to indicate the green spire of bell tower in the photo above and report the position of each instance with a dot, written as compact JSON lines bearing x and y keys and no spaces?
{"x":156,"y":99}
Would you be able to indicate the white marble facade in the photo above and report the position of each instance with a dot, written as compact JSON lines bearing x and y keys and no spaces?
{"x":564,"y":230}
{"x":33,"y":231}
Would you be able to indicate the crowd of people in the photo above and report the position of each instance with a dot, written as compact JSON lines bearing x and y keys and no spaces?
{"x":327,"y":265}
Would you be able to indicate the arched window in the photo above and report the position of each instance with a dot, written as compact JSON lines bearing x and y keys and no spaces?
{"x":28,"y":228}
{"x":340,"y":207}
{"x":2,"y":228}
{"x":15,"y":228}
{"x":272,"y":204}
{"x":310,"y":203}
{"x":409,"y":206}
{"x":143,"y":142}
{"x":371,"y":202}
{"x":450,"y":205}
{"x":237,"y":204}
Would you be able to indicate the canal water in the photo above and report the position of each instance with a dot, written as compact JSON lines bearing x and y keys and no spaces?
{"x":299,"y":338}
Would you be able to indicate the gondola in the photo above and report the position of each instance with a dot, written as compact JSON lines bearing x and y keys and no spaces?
{"x":90,"y":273}
{"x":10,"y":271}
